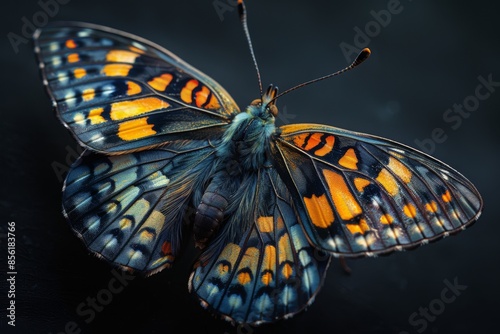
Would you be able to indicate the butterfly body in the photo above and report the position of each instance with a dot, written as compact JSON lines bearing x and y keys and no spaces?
{"x":243,"y":150}
{"x":272,"y":203}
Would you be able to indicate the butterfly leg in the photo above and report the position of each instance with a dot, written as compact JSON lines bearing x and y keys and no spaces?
{"x":343,"y":264}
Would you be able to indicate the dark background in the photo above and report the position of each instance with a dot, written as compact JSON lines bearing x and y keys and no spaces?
{"x":425,"y":60}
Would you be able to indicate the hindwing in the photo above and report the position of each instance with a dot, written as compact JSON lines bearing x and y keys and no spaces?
{"x":130,"y":208}
{"x":268,"y":273}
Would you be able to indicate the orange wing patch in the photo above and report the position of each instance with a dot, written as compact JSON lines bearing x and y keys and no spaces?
{"x":187,"y":91}
{"x":265,"y":224}
{"x":347,"y":206}
{"x":313,"y":141}
{"x":146,"y":236}
{"x":349,"y":160}
{"x":410,"y":210}
{"x":121,"y":56}
{"x":309,"y":142}
{"x":431,"y":206}
{"x":223,"y":269}
{"x":319,"y":210}
{"x":300,"y":140}
{"x":268,"y":264}
{"x":446,"y":196}
{"x":388,"y":182}
{"x":361,"y":184}
{"x":161,"y":82}
{"x":287,"y":270}
{"x":213,"y":104}
{"x":267,"y":278}
{"x":126,"y":109}
{"x":244,"y":278}
{"x":248,"y":265}
{"x":125,"y":223}
{"x":95,"y":116}
{"x":203,"y":98}
{"x":284,"y":248}
{"x":88,"y":94}
{"x":361,"y":227}
{"x":135,"y":129}
{"x":73,"y":58}
{"x":116,"y":70}
{"x":70,"y":44}
{"x":327,"y":148}
{"x":133,"y":88}
{"x":386,"y":219}
{"x":400,"y":170}
{"x":79,"y":73}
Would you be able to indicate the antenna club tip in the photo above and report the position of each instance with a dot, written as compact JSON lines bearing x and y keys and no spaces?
{"x":362,"y":56}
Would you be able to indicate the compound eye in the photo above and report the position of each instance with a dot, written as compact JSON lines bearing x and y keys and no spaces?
{"x":273,"y":110}
{"x":256,"y":102}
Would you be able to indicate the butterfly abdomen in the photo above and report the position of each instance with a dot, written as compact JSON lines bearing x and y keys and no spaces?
{"x":211,"y":210}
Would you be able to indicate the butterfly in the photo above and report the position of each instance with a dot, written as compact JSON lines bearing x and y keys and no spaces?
{"x":169,"y":155}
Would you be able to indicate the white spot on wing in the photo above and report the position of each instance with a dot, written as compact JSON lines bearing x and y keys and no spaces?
{"x":362,"y":242}
{"x":96,"y":137}
{"x":62,"y":77}
{"x":84,"y":33}
{"x":79,"y":119}
{"x":54,"y":46}
{"x":235,"y":301}
{"x":70,"y":99}
{"x":139,"y":46}
{"x":56,"y":61}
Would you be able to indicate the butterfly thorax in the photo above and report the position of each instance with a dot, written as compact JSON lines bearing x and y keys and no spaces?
{"x":245,"y":143}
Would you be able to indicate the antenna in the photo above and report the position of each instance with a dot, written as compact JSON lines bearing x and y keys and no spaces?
{"x":243,"y":17}
{"x":362,"y":56}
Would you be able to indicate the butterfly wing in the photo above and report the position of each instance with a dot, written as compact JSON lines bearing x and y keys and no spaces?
{"x":359,"y":195}
{"x":268,"y":273}
{"x":117,"y":92}
{"x":129,"y":208}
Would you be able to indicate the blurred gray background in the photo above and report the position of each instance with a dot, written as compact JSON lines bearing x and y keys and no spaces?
{"x":428,"y":58}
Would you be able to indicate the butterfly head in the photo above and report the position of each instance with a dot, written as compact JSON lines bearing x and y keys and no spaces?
{"x":266,"y":106}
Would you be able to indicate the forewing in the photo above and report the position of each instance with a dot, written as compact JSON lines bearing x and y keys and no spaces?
{"x":129,"y":208}
{"x":272,"y":271}
{"x":362,"y":195}
{"x":117,"y":92}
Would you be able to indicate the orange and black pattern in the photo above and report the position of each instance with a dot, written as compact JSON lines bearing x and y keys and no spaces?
{"x":169,"y":155}
{"x":118,"y":93}
{"x":272,"y":271}
{"x":361,"y":195}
